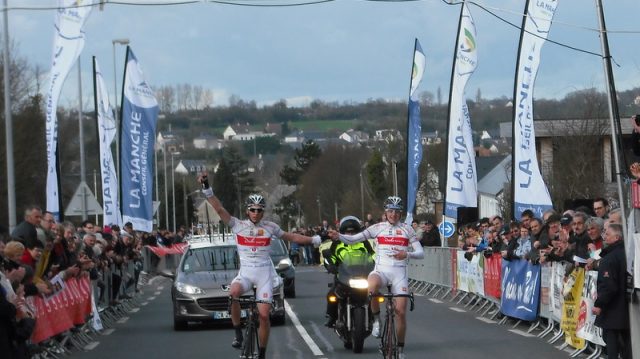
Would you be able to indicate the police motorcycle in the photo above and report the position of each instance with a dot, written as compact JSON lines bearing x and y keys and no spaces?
{"x":348,"y":300}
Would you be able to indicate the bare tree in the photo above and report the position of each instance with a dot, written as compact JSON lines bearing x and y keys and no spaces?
{"x":197,"y":97}
{"x":166,"y":98}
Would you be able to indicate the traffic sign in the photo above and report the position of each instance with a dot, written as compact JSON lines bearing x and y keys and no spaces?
{"x":446,"y":228}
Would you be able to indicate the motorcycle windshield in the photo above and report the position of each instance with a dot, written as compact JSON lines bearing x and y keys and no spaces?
{"x":355,"y":265}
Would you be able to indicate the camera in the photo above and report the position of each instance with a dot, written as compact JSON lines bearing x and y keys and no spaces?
{"x":487,"y":253}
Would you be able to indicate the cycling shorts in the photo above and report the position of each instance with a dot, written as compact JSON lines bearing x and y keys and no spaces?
{"x":261,"y":277}
{"x":394,"y":276}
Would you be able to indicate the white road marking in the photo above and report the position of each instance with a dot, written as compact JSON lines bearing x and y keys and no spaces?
{"x":458,"y":310}
{"x":435,"y":300}
{"x":144,"y":303}
{"x":107,"y":331}
{"x":91,"y":346}
{"x":122,"y":320}
{"x":323,"y":339}
{"x":520,"y":332}
{"x":134,"y":310}
{"x":303,"y":332}
{"x":151,"y":298}
{"x":156,"y":293}
{"x":161,"y":287}
{"x":486,"y":320}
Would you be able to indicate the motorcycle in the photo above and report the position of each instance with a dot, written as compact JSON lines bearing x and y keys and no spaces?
{"x":354,"y":320}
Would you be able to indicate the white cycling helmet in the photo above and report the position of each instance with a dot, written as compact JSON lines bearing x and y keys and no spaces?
{"x":393,"y":202}
{"x":255,"y":200}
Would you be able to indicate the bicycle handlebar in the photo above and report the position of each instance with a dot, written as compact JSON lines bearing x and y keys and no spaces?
{"x":391,"y":296}
{"x":249,"y":300}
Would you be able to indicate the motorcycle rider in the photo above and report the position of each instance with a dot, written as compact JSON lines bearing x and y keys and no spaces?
{"x":394,"y":239}
{"x":336,"y":254}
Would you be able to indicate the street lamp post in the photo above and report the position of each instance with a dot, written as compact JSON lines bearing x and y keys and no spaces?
{"x":123,"y":42}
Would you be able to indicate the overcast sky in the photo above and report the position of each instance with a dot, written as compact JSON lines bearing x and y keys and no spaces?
{"x":345,"y":50}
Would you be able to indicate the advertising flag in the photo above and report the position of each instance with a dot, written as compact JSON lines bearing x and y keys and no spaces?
{"x":529,"y":189}
{"x":68,"y":42}
{"x":462,"y":183}
{"x":414,"y":131}
{"x":106,"y":135}
{"x":139,"y":117}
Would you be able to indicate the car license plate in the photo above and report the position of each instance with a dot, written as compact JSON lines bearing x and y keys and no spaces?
{"x":225,"y":314}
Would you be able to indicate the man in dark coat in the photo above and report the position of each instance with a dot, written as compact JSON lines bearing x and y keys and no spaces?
{"x":611,"y":306}
{"x":26,"y":230}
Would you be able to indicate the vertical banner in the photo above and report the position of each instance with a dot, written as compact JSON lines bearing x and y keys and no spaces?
{"x":106,"y":135}
{"x":68,"y":42}
{"x":139,"y":116}
{"x":529,"y":189}
{"x":520,"y":289}
{"x":462,"y":184}
{"x":586,"y":328}
{"x":571,"y":308}
{"x":414,"y":131}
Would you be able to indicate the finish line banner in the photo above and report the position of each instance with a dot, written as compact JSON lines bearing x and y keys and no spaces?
{"x":520,"y":289}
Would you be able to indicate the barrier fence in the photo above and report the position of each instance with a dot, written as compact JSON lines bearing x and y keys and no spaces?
{"x":80,"y":309}
{"x":556,"y":304}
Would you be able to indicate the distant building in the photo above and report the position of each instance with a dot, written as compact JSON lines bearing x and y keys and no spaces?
{"x":431,"y":138}
{"x":169,"y":141}
{"x":493,"y":175}
{"x":192,"y":167}
{"x":244,"y":132}
{"x":353,"y":136}
{"x":387,"y":135}
{"x":207,"y":142}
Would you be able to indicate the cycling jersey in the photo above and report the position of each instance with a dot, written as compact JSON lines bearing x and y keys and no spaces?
{"x":254,"y":241}
{"x":390,"y":238}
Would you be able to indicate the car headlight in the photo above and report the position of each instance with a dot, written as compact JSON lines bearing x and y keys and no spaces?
{"x":284,"y":264}
{"x":188,"y":289}
{"x":358,"y":283}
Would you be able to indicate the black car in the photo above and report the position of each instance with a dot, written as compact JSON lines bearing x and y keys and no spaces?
{"x":200,"y":290}
{"x":284,"y":266}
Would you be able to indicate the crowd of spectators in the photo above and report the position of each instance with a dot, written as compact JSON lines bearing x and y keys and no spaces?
{"x":40,"y":250}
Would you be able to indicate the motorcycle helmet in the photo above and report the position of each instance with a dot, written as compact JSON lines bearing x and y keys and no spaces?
{"x":393,"y":202}
{"x":255,"y":200}
{"x":350,"y":223}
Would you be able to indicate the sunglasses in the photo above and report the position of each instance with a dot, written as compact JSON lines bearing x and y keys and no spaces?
{"x":256,"y":210}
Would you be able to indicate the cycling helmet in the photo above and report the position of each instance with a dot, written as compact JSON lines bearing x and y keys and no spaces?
{"x":393,"y":202}
{"x":350,"y":223}
{"x":255,"y":200}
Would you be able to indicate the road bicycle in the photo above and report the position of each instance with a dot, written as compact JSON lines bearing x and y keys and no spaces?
{"x":250,"y":343}
{"x":388,"y":339}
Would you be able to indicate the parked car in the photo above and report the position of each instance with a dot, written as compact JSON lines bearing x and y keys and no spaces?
{"x":284,"y":267}
{"x":200,"y":290}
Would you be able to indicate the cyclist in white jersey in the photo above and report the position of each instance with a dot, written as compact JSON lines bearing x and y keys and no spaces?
{"x":253,"y":240}
{"x":394,"y":239}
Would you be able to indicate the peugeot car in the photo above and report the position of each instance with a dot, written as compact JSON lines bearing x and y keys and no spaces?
{"x":200,"y":290}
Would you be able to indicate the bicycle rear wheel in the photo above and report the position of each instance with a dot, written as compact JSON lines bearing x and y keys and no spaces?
{"x":389,"y":339}
{"x":250,"y":344}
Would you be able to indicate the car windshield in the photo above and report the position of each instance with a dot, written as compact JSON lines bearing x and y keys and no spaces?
{"x":278,"y":248}
{"x":211,"y":258}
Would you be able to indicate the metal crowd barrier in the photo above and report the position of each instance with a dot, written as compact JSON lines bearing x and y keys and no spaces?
{"x":438,"y":275}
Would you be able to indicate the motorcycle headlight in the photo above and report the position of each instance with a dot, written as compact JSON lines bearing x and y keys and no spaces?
{"x":188,"y":289}
{"x":358,"y":283}
{"x":284,"y":264}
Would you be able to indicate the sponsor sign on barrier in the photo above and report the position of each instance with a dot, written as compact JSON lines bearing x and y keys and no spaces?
{"x":520,"y":289}
{"x":62,"y":311}
{"x":586,"y":328}
{"x":471,"y":274}
{"x":571,"y":308}
{"x":545,"y":290}
{"x":492,"y":271}
{"x":556,"y":299}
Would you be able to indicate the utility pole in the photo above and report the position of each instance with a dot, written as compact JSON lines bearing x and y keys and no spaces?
{"x":8,"y":125}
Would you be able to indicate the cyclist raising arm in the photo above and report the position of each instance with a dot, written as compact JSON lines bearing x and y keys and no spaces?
{"x":394,"y":238}
{"x":253,"y":239}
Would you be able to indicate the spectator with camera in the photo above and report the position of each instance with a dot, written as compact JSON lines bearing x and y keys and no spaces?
{"x":579,"y":239}
{"x":542,"y":243}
